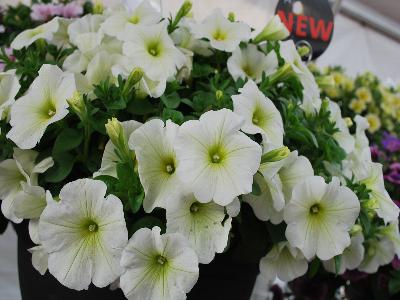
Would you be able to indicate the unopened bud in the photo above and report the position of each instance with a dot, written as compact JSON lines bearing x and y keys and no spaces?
{"x":98,"y":7}
{"x":356,"y":229}
{"x":275,"y":155}
{"x":325,"y":82}
{"x":303,"y":51}
{"x":231,"y":17}
{"x":282,"y":74}
{"x":77,"y":105}
{"x":275,"y":30}
{"x":134,"y":77}
{"x":219,"y":95}
{"x":348,"y":122}
{"x":117,"y":136}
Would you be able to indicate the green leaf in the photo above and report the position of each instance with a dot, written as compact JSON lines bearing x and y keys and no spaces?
{"x":365,"y":221}
{"x":171,"y":101}
{"x":276,"y":232}
{"x":146,"y":222}
{"x":110,"y":181}
{"x":314,"y":267}
{"x":201,"y":70}
{"x":174,"y":115}
{"x":394,"y":285}
{"x":135,"y":201}
{"x":63,"y":163}
{"x":67,"y":140}
{"x":140,"y":107}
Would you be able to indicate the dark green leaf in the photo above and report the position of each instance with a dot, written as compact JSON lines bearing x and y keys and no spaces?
{"x":135,"y":201}
{"x":173,"y":115}
{"x":171,"y":101}
{"x":338,"y":261}
{"x":314,"y":267}
{"x":67,"y":140}
{"x":146,"y":222}
{"x":63,"y":163}
{"x":256,"y":190}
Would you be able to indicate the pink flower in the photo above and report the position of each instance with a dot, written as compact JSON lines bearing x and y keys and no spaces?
{"x":71,"y":10}
{"x":44,"y":12}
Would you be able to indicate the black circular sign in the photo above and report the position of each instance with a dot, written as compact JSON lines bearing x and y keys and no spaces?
{"x":310,"y":22}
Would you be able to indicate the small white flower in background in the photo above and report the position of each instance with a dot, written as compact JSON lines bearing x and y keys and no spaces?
{"x":373,"y":180}
{"x":84,"y":235}
{"x":153,"y":144}
{"x":378,"y":252}
{"x":201,"y":224}
{"x":152,"y":49}
{"x":60,"y":37}
{"x":110,"y":158}
{"x":343,"y":136}
{"x":311,"y":94}
{"x":45,"y":31}
{"x":275,"y":30}
{"x":184,"y":38}
{"x":251,"y":63}
{"x":284,"y":262}
{"x":223,"y":34}
{"x":17,"y":175}
{"x":276,"y":181}
{"x":143,"y":14}
{"x":85,"y":28}
{"x":319,"y":217}
{"x":213,"y":153}
{"x":44,"y":103}
{"x":260,"y":114}
{"x":9,"y":87}
{"x":351,"y":258}
{"x":99,"y":68}
{"x":158,"y":267}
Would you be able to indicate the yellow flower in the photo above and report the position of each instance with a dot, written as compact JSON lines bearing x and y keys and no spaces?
{"x":338,"y":77}
{"x":348,"y":84}
{"x":357,"y":105}
{"x":364,"y":94}
{"x":332,"y":92}
{"x":374,"y":122}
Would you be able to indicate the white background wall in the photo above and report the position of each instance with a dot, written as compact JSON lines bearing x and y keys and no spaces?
{"x":354,"y":46}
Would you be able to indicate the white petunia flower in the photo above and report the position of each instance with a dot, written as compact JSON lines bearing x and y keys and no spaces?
{"x":275,"y":30}
{"x":260,"y":114}
{"x":351,"y":258}
{"x":311,"y":94}
{"x":17,"y":175}
{"x":158,"y":267}
{"x":84,"y":28}
{"x":319,"y":216}
{"x":391,"y":232}
{"x":386,"y":208}
{"x":99,"y":68}
{"x":153,"y":144}
{"x":9,"y":87}
{"x":379,"y":252}
{"x":283,"y":262}
{"x":343,"y":136}
{"x":251,"y":63}
{"x":223,"y":34}
{"x":276,"y":183}
{"x":44,"y":103}
{"x":143,"y":14}
{"x":84,"y":235}
{"x":216,"y":161}
{"x":202,"y":225}
{"x":45,"y":31}
{"x":151,"y":49}
{"x":110,"y":157}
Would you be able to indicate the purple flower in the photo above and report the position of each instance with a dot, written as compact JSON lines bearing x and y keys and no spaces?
{"x":44,"y":12}
{"x":396,"y":263}
{"x":394,"y":174}
{"x":390,"y":142}
{"x":71,"y":10}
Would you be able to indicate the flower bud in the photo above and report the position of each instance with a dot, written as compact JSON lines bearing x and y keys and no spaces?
{"x":275,"y":155}
{"x":183,"y":11}
{"x":325,"y":82}
{"x":348,"y":122}
{"x":275,"y":30}
{"x":231,"y":17}
{"x":98,"y":7}
{"x":282,"y":74}
{"x":134,"y":77}
{"x":219,"y":94}
{"x":355,"y":229}
{"x":114,"y":130}
{"x":303,"y":51}
{"x":77,"y":105}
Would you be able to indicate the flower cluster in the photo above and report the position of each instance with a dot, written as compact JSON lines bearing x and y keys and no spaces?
{"x":140,"y":147}
{"x":364,"y":95}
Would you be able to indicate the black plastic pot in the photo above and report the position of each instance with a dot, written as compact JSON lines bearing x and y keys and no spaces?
{"x":224,"y":278}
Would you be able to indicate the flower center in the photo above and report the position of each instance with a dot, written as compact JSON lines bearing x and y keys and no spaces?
{"x":315,"y":209}
{"x":247,"y":70}
{"x":161,"y":260}
{"x":154,"y":49}
{"x":169,"y":168}
{"x":51,"y":113}
{"x":219,"y":35}
{"x":216,"y":158}
{"x":194,"y":208}
{"x":134,"y":19}
{"x":91,"y":227}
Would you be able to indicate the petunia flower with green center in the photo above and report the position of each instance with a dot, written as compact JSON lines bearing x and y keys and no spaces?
{"x":319,"y":217}
{"x":152,"y":50}
{"x":251,"y":63}
{"x":44,"y":103}
{"x":216,"y":160}
{"x":260,"y":114}
{"x":153,"y":144}
{"x":143,"y":14}
{"x":203,"y":224}
{"x":84,"y":235}
{"x":223,"y":34}
{"x":158,"y":267}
